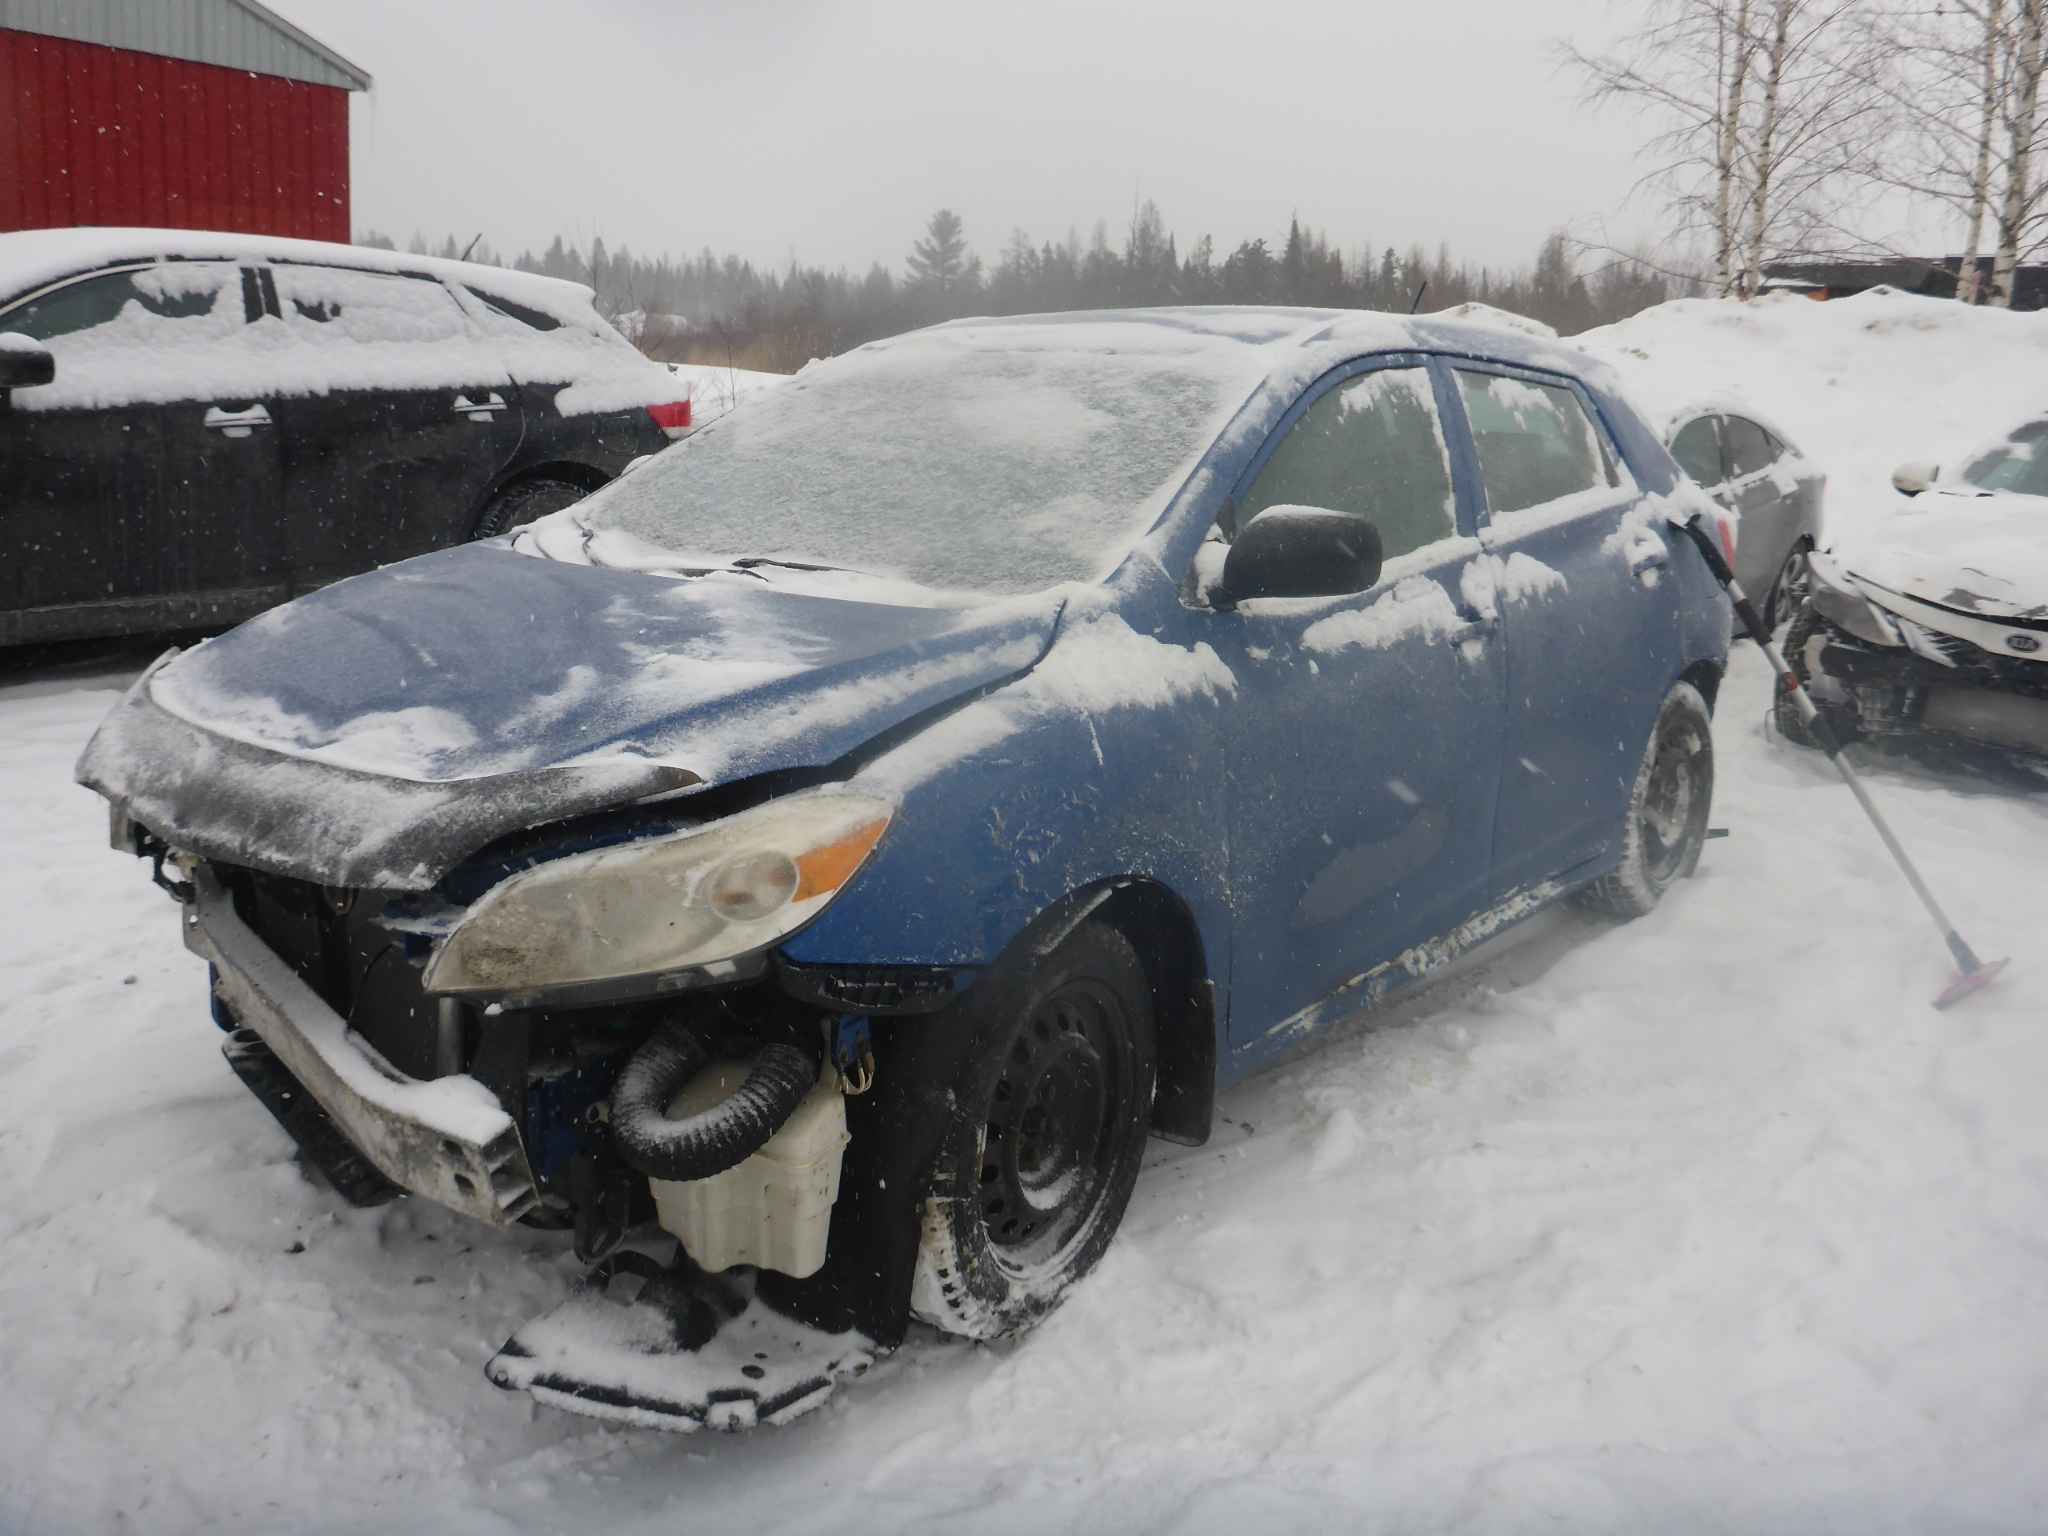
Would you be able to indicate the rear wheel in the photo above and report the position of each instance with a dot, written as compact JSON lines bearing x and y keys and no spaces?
{"x":1667,"y":809}
{"x":1050,"y":1125}
{"x":517,"y":505}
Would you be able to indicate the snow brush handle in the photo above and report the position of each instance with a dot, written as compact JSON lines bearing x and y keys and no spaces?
{"x":1970,"y":966}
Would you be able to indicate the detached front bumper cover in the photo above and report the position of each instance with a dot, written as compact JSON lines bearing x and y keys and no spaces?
{"x":448,"y":1141}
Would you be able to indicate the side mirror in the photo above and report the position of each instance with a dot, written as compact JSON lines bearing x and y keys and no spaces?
{"x":1289,"y":551}
{"x":1911,"y":479}
{"x":24,"y":361}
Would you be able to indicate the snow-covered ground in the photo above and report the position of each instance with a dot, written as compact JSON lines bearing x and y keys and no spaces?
{"x":1707,"y":1222}
{"x":714,"y":390}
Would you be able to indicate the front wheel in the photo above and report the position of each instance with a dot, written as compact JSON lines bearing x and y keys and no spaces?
{"x":1048,"y":1129}
{"x":1667,"y":809}
{"x":1789,"y":591}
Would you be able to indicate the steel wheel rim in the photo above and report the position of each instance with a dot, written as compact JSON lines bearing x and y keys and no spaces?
{"x":1673,"y":801}
{"x":1793,"y":580}
{"x":1053,"y":1133}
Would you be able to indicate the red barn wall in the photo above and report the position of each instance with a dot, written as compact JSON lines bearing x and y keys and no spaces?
{"x":96,"y":135}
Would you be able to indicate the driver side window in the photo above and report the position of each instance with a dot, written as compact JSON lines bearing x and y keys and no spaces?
{"x":1372,"y":446}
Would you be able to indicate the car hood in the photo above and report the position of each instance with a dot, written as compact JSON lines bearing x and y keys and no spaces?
{"x":1978,"y":552}
{"x":381,"y":730}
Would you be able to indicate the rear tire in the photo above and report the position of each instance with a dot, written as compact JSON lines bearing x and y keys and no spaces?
{"x":1049,"y":1125}
{"x":1667,"y":810}
{"x":517,"y":505}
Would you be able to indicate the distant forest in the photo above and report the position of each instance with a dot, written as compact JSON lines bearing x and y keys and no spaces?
{"x":720,"y":309}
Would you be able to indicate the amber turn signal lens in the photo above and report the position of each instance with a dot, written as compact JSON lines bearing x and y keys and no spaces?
{"x":824,"y":870}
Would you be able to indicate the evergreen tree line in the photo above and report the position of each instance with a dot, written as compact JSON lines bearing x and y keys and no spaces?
{"x":722,"y":309}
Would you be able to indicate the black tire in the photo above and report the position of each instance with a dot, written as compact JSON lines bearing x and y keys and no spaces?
{"x":1049,"y":1126}
{"x":517,"y":505}
{"x":1789,"y":587}
{"x":1667,"y":810}
{"x":1841,"y":718}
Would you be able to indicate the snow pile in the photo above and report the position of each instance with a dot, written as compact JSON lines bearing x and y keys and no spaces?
{"x":714,"y":390}
{"x":1857,"y":385}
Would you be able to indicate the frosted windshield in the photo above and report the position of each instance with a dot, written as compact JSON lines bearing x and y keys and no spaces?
{"x":962,"y":461}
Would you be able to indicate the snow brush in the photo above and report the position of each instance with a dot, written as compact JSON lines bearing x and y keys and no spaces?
{"x":1972,"y":974}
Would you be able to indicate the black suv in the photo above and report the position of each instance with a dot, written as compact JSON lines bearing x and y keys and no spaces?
{"x":194,"y":427}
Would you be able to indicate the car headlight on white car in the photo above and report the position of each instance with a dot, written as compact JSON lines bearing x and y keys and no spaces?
{"x":662,"y":905}
{"x":1836,"y":598}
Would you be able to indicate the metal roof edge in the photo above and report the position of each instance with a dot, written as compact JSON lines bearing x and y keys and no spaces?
{"x":306,"y":40}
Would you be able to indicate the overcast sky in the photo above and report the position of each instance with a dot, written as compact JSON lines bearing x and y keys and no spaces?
{"x":830,"y":129}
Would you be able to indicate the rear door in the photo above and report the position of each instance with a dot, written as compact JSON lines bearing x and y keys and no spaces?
{"x":401,"y":420}
{"x":125,"y":505}
{"x":1591,"y":634}
{"x":1363,"y":741}
{"x":1766,"y":498}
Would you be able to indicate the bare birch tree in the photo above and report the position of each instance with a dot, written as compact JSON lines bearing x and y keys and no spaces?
{"x":2020,"y":211}
{"x":1767,"y":111}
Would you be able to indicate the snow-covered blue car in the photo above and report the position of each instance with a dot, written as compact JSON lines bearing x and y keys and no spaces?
{"x":839,"y":843}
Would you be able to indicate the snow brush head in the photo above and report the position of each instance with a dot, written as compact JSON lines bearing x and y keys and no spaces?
{"x":1970,"y":981}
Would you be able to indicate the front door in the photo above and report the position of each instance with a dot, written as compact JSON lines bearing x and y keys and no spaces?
{"x":1591,"y":637}
{"x":1363,"y":742}
{"x":122,"y":510}
{"x":408,"y":418}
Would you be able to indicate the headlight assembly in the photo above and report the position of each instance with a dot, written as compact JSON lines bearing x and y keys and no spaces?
{"x":1835,"y":598}
{"x":664,"y":905}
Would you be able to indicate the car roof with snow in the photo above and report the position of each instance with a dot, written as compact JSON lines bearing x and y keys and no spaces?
{"x":1291,"y":344}
{"x":32,"y":257}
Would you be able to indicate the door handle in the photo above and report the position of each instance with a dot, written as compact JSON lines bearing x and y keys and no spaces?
{"x":1475,"y":629}
{"x":1642,"y":566}
{"x":478,"y":410}
{"x":236,"y":423}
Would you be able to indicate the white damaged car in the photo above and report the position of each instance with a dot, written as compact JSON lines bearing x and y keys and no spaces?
{"x":1938,"y":626}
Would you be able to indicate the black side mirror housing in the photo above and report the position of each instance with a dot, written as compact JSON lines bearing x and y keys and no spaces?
{"x":1288,"y":551}
{"x":23,"y":363}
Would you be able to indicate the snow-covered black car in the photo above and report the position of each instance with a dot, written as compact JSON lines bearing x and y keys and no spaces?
{"x":195,"y":427}
{"x":810,"y":867}
{"x":1937,"y":626}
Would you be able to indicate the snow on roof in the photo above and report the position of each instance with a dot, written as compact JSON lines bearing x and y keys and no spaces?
{"x":30,"y":258}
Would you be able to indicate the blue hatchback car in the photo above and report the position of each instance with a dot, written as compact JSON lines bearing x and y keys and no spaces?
{"x":808,"y":869}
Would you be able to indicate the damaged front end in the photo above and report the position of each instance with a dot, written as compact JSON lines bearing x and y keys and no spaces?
{"x":591,"y":1032}
{"x":1888,"y":666}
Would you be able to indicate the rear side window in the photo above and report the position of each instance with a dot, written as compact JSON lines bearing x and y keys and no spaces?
{"x":329,"y":304}
{"x":1536,"y":443}
{"x":133,"y":306}
{"x":1697,"y":447}
{"x":1373,"y":446}
{"x":1750,"y":448}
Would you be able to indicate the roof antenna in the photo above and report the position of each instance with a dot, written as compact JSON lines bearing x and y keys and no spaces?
{"x":1416,"y":303}
{"x":480,"y":234}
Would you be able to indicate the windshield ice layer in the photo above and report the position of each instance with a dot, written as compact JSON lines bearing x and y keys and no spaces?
{"x":1000,"y":458}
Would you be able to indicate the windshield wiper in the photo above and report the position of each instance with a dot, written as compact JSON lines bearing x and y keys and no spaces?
{"x":751,"y":561}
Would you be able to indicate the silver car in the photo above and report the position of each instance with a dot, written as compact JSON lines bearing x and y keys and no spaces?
{"x":1755,"y":473}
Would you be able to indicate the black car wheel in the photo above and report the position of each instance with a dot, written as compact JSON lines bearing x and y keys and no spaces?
{"x":1667,"y":809}
{"x":1049,"y":1128}
{"x":1841,"y":717}
{"x":1789,"y":590}
{"x":518,"y":505}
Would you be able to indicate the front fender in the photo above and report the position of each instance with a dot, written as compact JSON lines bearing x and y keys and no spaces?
{"x":1015,"y":801}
